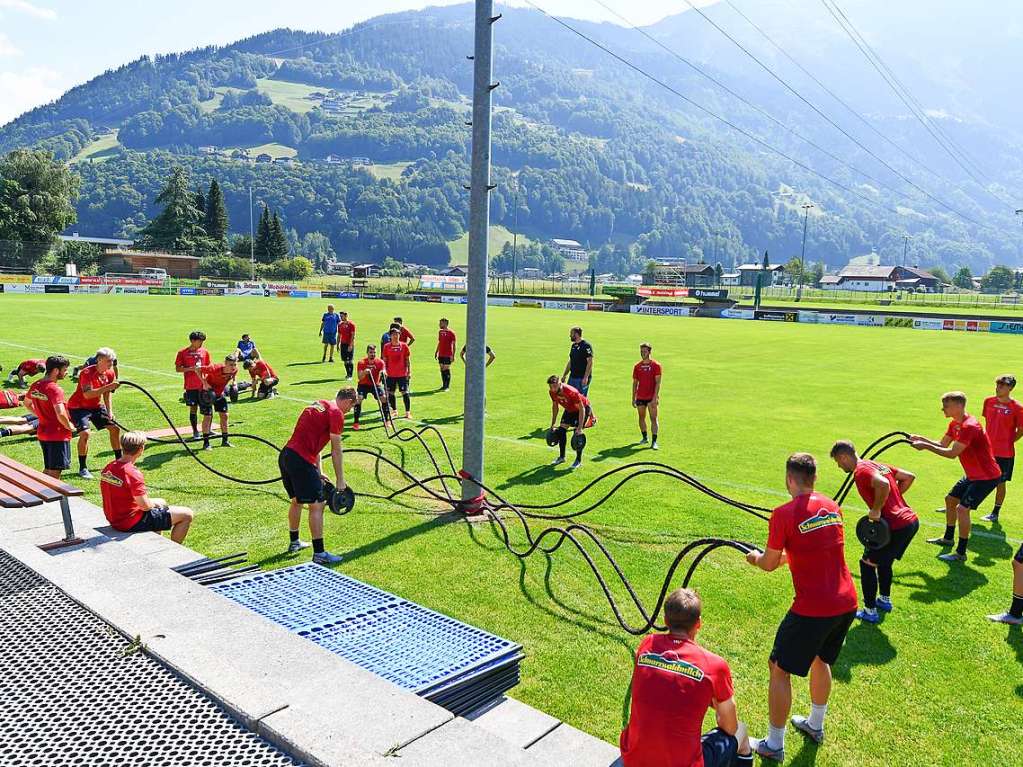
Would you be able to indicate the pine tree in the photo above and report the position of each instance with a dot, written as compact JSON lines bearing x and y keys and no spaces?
{"x":216,"y":214}
{"x":278,"y":245}
{"x":200,"y":201}
{"x":177,"y":227}
{"x":261,"y":249}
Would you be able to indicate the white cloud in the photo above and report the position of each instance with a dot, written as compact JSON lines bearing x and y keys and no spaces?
{"x":21,"y":91}
{"x":7,"y":48}
{"x":32,"y":10}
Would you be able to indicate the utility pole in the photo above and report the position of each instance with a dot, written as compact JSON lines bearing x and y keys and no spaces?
{"x":802,"y":255}
{"x":515,"y":235}
{"x":479,"y":226}
{"x":252,"y":239}
{"x":905,"y":251}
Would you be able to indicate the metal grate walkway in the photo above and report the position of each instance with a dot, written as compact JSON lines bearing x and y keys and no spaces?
{"x":72,"y":692}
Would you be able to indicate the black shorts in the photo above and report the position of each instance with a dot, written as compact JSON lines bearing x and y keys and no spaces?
{"x":82,"y":417}
{"x":896,"y":547}
{"x":56,"y":455}
{"x":192,"y":397}
{"x":1019,"y":554}
{"x":31,"y":419}
{"x":444,"y":360}
{"x":643,"y":402}
{"x":972,"y":492}
{"x":572,"y":419}
{"x":719,"y":748}
{"x":367,"y":389}
{"x":153,"y":521}
{"x":1005,"y":464}
{"x":400,"y":384}
{"x":347,"y":351}
{"x":800,"y":639}
{"x":301,"y":479}
{"x":219,"y":405}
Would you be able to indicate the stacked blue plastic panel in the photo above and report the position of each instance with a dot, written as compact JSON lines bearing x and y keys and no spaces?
{"x":455,"y":665}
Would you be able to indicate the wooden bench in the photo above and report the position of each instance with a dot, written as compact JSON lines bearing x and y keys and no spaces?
{"x":22,"y":487}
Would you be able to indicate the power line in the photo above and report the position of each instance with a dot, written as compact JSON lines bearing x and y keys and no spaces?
{"x":827,"y":119}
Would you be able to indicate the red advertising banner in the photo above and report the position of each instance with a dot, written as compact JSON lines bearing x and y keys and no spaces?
{"x":662,"y":292}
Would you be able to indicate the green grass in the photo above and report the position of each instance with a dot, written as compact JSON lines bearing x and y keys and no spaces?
{"x":392,"y":170}
{"x":499,"y":235}
{"x":291,"y":95}
{"x":935,"y":684}
{"x":101,"y":148}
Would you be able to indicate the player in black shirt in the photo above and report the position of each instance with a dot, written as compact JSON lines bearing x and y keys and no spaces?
{"x":579,"y":368}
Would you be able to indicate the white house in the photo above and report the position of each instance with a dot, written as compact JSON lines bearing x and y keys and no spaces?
{"x":569,"y":249}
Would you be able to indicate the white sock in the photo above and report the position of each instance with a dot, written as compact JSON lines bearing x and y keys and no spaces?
{"x":775,"y":737}
{"x":816,"y":718}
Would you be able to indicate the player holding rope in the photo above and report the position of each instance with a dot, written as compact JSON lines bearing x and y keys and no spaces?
{"x":578,"y":415}
{"x":882,"y":488}
{"x":674,"y":682}
{"x":445,"y":353}
{"x":346,"y":343}
{"x":371,"y":381}
{"x":966,"y":440}
{"x":398,"y":365}
{"x":92,"y":403}
{"x":218,"y":378}
{"x":45,"y":399}
{"x":807,"y":533}
{"x":1003,"y":421}
{"x":328,"y":331}
{"x":26,"y":369}
{"x":190,"y":361}
{"x":646,"y":392}
{"x":299,"y":463}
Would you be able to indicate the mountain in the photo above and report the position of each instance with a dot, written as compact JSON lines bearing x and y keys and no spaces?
{"x":585,"y":147}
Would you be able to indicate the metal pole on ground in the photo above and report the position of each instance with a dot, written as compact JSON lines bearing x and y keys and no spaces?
{"x":479,"y":226}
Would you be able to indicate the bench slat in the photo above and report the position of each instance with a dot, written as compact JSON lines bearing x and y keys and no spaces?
{"x":14,"y":497}
{"x":31,"y":480}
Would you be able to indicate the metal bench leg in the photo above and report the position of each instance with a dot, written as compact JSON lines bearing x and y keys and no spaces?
{"x":69,"y":529}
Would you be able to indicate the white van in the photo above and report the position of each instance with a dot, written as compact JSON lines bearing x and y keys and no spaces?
{"x":152,"y":273}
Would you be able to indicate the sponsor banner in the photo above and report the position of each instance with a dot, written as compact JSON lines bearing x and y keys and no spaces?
{"x":708,"y":294}
{"x":18,"y":287}
{"x":419,"y":297}
{"x":298,"y":293}
{"x":921,"y":324}
{"x":999,"y":326}
{"x":330,"y":294}
{"x":435,"y":298}
{"x":776,"y":316}
{"x":387,"y":296}
{"x":244,"y":292}
{"x":282,"y":293}
{"x":370,"y":296}
{"x":662,"y":311}
{"x":130,"y":281}
{"x":737,"y":314}
{"x":837,"y":319}
{"x":969,"y":326}
{"x":442,"y":282}
{"x":13,"y":279}
{"x":162,"y":291}
{"x":565,"y":305}
{"x":90,"y":280}
{"x":493,"y":301}
{"x":187,"y":291}
{"x":872,"y":320}
{"x":131,"y":289}
{"x":898,"y":322}
{"x":528,"y":304}
{"x":805,"y":316}
{"x":93,"y":289}
{"x":313,"y":294}
{"x":346,"y":294}
{"x":452,"y":299}
{"x":209,"y":291}
{"x":597,"y":307}
{"x":49,"y":279}
{"x":57,"y":288}
{"x":662,"y":292}
{"x":214,"y":284}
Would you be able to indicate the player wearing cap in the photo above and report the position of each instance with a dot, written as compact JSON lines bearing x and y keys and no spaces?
{"x":26,"y":369}
{"x":126,"y":503}
{"x":190,"y":361}
{"x":264,"y":378}
{"x":807,"y":533}
{"x":966,"y":440}
{"x":882,"y":488}
{"x":398,"y":366}
{"x":371,"y":381}
{"x":328,"y":330}
{"x":646,"y":392}
{"x":299,"y":462}
{"x":674,"y":682}
{"x":577,"y":415}
{"x":445,"y":353}
{"x":579,"y":368}
{"x":92,"y":404}
{"x":217,"y":377}
{"x":346,"y":343}
{"x":45,"y":398}
{"x":1003,"y":422}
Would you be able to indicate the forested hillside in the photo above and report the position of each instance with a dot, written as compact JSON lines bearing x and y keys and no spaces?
{"x":584,"y":148}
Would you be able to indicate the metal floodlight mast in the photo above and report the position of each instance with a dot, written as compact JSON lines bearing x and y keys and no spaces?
{"x":802,"y":255}
{"x":479,"y":227}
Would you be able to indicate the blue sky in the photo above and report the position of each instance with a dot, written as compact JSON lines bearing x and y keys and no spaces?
{"x":48,"y":46}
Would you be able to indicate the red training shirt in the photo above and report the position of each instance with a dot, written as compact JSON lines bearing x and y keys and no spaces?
{"x":8,"y":399}
{"x":190,"y":358}
{"x":30,"y":367}
{"x":404,"y":335}
{"x":91,"y":378}
{"x":674,"y":682}
{"x":314,"y":427}
{"x":370,"y":367}
{"x":645,"y":371}
{"x":977,"y":459}
{"x":396,"y":358}
{"x":46,"y":395}
{"x":569,"y":398}
{"x":120,"y":483}
{"x":262,"y":369}
{"x":896,"y":511}
{"x":218,"y":378}
{"x":446,"y":343}
{"x":346,"y":332}
{"x":1003,"y":419}
{"x":809,"y":529}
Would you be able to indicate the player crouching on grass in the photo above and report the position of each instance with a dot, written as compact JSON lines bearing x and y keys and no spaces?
{"x":806,"y":533}
{"x":264,"y":377}
{"x":578,"y":415}
{"x":881,"y":487}
{"x":966,"y":440}
{"x":1003,"y":420}
{"x":674,"y":682}
{"x":646,"y":392}
{"x":15,"y":425}
{"x":371,"y":381}
{"x":26,"y":369}
{"x":217,"y":378}
{"x":92,"y":404}
{"x":299,"y":463}
{"x":126,"y":504}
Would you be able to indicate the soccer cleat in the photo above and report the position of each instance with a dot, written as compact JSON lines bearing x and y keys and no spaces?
{"x":884,"y":605}
{"x":992,"y":517}
{"x":559,"y":460}
{"x":940,"y":541}
{"x":207,"y":446}
{"x":408,"y":415}
{"x":642,"y":439}
{"x":355,"y":426}
{"x":225,"y":443}
{"x":85,"y":474}
{"x":331,"y":359}
{"x":1009,"y":618}
{"x":867,"y":616}
{"x":296,"y":546}
{"x":576,"y":464}
{"x":952,"y":556}
{"x":803,"y":725}
{"x":760,"y":748}
{"x":654,"y":445}
{"x":326,"y":558}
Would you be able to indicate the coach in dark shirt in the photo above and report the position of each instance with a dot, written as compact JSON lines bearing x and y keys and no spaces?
{"x":579,"y":369}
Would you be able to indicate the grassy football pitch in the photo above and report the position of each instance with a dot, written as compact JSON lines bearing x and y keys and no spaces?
{"x":935,"y":683}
